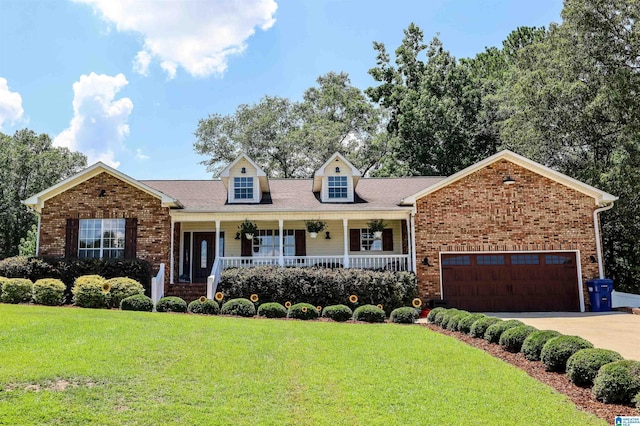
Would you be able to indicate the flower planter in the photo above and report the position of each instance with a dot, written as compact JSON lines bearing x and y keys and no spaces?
{"x":313,"y":234}
{"x":249,"y":236}
{"x":424,"y":313}
{"x":377,"y":235}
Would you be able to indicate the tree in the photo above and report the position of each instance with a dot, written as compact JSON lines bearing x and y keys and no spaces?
{"x":28,"y":164}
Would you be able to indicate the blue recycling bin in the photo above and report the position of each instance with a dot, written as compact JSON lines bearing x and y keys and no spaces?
{"x":600,"y":294}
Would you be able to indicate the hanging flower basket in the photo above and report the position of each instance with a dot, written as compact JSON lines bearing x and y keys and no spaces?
{"x":248,"y":229}
{"x":314,"y":227}
{"x":376,"y":227}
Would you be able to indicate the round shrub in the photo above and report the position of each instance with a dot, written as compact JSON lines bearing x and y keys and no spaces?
{"x":450,"y":313}
{"x":479,"y":327}
{"x":171,"y":304}
{"x":338,"y":313}
{"x":511,"y":339}
{"x":583,"y":366}
{"x":464,"y":325}
{"x":240,"y":307}
{"x":17,"y":290}
{"x":88,"y":292}
{"x":121,"y":288}
{"x":208,"y":307}
{"x":369,"y":313}
{"x":617,"y":382}
{"x":272,"y":310}
{"x":303,"y":311}
{"x":404,"y":315}
{"x":637,"y":400}
{"x":440,"y":316}
{"x":494,"y":331}
{"x":137,"y":302}
{"x":556,"y":351}
{"x":532,"y":345}
{"x":431,"y":317}
{"x":453,"y":322}
{"x":48,"y":291}
{"x":2,"y":281}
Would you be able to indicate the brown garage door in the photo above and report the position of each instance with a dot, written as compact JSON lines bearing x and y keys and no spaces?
{"x":511,"y":282}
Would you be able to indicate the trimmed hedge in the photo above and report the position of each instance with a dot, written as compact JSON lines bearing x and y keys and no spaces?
{"x":453,"y":322}
{"x":480,"y":326}
{"x":48,"y":291}
{"x":556,"y":351}
{"x":431,"y":317}
{"x":447,"y":316}
{"x":17,"y":290}
{"x":511,"y":339}
{"x":272,"y":310}
{"x":617,"y":382}
{"x":533,"y":344}
{"x":338,"y":313}
{"x":583,"y":366}
{"x":208,"y":307}
{"x":171,"y":304}
{"x":464,"y":325}
{"x":121,"y":288}
{"x":369,"y":313}
{"x":240,"y":307}
{"x":404,"y":315}
{"x":320,"y":286}
{"x":137,"y":302}
{"x":303,"y":311}
{"x":439,"y":318}
{"x":88,"y":293}
{"x":2,"y":281}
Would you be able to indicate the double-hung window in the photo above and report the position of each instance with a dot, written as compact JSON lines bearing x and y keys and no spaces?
{"x":243,"y":188}
{"x":368,"y":242}
{"x":101,"y":238}
{"x":267,"y":242}
{"x":337,"y":187}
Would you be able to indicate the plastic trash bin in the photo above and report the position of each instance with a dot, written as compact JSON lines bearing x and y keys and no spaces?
{"x":600,"y":294}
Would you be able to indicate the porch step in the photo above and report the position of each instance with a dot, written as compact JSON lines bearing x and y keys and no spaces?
{"x":188,"y":292}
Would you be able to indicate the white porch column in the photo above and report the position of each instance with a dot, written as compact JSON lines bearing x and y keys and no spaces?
{"x":345,"y":226}
{"x":173,"y":225}
{"x":410,"y":248}
{"x":217,"y":244}
{"x":413,"y":239}
{"x":38,"y":235}
{"x":281,"y":237}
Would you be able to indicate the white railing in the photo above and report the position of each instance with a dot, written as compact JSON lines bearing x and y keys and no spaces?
{"x":157,"y":285}
{"x":392,"y":262}
{"x":214,"y":278}
{"x":620,"y":299}
{"x":310,"y":261}
{"x":248,"y":261}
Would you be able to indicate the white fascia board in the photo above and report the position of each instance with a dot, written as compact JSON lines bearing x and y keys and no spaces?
{"x":319,"y":174}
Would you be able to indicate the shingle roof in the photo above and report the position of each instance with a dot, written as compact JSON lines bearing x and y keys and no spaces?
{"x":293,"y":194}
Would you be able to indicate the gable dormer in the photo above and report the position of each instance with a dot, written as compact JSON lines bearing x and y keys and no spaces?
{"x":336,"y":180}
{"x":245,"y":180}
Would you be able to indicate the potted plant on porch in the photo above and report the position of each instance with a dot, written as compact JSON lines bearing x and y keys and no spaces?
{"x":314,"y":226}
{"x":248,"y":229}
{"x":376,"y":227}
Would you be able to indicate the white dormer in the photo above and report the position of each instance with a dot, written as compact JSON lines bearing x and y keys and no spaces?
{"x":336,"y":180}
{"x":244,"y":180}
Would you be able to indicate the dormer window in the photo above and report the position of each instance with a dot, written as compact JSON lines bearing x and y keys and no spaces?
{"x":338,"y":187}
{"x":243,"y":188}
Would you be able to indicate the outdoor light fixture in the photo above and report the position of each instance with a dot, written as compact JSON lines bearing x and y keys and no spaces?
{"x":508,"y":180}
{"x":327,"y":236}
{"x":593,"y":259}
{"x":243,"y":170}
{"x":337,"y":169}
{"x":425,"y":261}
{"x":103,"y":193}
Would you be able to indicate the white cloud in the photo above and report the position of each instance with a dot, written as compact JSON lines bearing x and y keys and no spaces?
{"x":99,"y":124}
{"x":140,"y":155}
{"x":197,"y":35}
{"x":10,"y":104}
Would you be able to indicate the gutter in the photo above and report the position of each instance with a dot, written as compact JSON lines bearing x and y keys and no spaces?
{"x":596,"y":225}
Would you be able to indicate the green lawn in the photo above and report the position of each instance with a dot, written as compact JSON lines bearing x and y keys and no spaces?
{"x":143,"y":368}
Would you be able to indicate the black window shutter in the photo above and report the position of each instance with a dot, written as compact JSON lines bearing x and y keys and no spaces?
{"x":387,"y":240}
{"x":130,"y":238}
{"x":354,"y":240}
{"x":245,"y":246}
{"x":301,"y":242}
{"x":71,"y":241}
{"x":405,"y":237}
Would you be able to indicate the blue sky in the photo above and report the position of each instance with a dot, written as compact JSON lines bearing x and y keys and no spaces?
{"x":126,"y":81}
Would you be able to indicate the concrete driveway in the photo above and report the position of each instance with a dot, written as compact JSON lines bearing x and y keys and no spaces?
{"x":609,"y":330}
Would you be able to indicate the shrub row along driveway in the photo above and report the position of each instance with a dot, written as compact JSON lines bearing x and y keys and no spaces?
{"x":609,"y":330}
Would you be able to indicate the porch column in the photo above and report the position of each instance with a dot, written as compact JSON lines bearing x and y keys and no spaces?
{"x":38,"y":235}
{"x":413,"y":239}
{"x":281,"y":237}
{"x":171,"y":261}
{"x":410,"y":248}
{"x":217,"y":244}
{"x":345,"y":226}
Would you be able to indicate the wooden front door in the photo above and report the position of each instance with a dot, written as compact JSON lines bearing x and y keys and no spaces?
{"x":204,"y":250}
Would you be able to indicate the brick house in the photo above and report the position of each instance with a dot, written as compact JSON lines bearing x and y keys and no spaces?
{"x":506,"y":234}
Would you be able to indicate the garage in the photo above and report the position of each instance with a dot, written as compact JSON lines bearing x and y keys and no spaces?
{"x":511,"y":282}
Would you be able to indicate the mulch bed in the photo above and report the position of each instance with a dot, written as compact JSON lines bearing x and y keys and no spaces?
{"x":581,"y":397}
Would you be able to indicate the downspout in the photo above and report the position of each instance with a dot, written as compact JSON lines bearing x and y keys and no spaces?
{"x":596,"y":225}
{"x":38,"y":236}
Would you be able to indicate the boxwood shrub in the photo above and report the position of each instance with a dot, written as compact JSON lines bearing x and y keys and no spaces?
{"x":208,"y":307}
{"x":511,"y":339}
{"x":240,"y":306}
{"x":431,"y":317}
{"x":48,"y":291}
{"x":137,"y":302}
{"x":453,"y":322}
{"x":617,"y":382}
{"x":272,"y":310}
{"x":479,"y":327}
{"x":450,"y":313}
{"x":338,"y":313}
{"x":2,"y":281}
{"x":17,"y":290}
{"x":637,"y":400}
{"x":440,"y":316}
{"x":121,"y":288}
{"x":494,"y":331}
{"x":404,"y":315}
{"x":369,"y":313}
{"x":171,"y":304}
{"x":303,"y":311}
{"x":532,"y":345}
{"x":583,"y":365}
{"x":556,"y":351}
{"x":88,"y":292}
{"x":464,"y":325}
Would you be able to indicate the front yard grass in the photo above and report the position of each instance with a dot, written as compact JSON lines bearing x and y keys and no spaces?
{"x":79,"y":366}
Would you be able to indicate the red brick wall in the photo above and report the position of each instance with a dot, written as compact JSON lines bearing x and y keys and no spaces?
{"x":120,"y":201}
{"x":479,"y":213}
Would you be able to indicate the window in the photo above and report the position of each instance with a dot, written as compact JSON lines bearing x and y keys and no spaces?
{"x":490,"y":260}
{"x":338,"y":187}
{"x":456,"y":260}
{"x":243,"y":188}
{"x":553,"y":259}
{"x":101,"y":238}
{"x":525,"y":259}
{"x":267,"y":243}
{"x":368,"y":243}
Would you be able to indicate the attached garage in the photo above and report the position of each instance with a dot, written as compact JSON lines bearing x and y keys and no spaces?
{"x":511,"y":281}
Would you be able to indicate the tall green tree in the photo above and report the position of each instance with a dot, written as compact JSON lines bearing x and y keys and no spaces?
{"x":28,"y":164}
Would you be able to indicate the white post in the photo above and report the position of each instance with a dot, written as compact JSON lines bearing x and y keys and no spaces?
{"x":217,"y":244}
{"x":281,"y":237}
{"x":173,"y":224}
{"x":38,"y":236}
{"x":409,"y":246}
{"x":413,"y":239}
{"x":345,"y":226}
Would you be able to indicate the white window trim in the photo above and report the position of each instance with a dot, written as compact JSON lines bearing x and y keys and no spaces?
{"x":102,"y":247}
{"x":365,"y":231}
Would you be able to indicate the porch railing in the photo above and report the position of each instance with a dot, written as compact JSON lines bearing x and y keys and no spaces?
{"x":157,"y":285}
{"x":393,"y":262}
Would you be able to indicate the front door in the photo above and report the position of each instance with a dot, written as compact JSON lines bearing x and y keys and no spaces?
{"x":204,"y":250}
